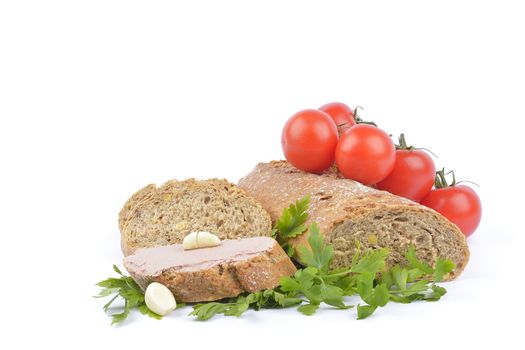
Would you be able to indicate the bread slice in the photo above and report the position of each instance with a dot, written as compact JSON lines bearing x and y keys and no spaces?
{"x":164,"y":215}
{"x":206,"y":274}
{"x":348,"y":211}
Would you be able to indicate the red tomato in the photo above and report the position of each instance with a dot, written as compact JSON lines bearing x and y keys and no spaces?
{"x":342,"y":115}
{"x":413,"y":175}
{"x":458,"y":203}
{"x":309,"y":139}
{"x":366,"y":154}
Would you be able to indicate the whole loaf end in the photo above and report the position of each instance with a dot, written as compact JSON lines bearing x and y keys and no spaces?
{"x":348,"y":212}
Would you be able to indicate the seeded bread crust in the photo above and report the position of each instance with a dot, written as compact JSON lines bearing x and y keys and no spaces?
{"x":348,"y":211}
{"x":223,"y":280}
{"x":164,"y":215}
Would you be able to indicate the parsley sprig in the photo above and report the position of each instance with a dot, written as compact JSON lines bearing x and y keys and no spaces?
{"x":125,"y":288}
{"x":268,"y":298}
{"x":291,"y":224}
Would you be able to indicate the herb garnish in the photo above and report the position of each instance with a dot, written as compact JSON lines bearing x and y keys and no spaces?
{"x":125,"y":288}
{"x":291,"y":224}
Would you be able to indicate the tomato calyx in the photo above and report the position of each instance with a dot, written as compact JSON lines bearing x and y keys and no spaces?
{"x":441,"y":179}
{"x":404,"y":146}
{"x":359,"y":120}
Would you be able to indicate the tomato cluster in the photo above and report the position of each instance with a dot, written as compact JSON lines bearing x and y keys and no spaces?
{"x":313,"y":139}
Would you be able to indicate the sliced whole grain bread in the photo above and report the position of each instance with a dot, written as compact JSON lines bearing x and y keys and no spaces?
{"x":206,"y":274}
{"x":348,"y":211}
{"x":164,"y":215}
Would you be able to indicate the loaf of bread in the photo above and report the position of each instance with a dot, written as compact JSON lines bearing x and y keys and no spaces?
{"x":348,"y":211}
{"x":156,"y":216}
{"x":206,"y":274}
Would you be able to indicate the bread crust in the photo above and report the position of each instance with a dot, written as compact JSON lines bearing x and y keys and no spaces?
{"x":223,"y":280}
{"x":336,"y":201}
{"x":145,"y":213}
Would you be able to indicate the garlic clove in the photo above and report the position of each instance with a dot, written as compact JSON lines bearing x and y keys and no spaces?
{"x":200,"y":240}
{"x":159,"y":299}
{"x":206,"y":239}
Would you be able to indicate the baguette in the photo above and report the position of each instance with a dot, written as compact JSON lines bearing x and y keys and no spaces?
{"x":348,"y":212}
{"x":164,"y":215}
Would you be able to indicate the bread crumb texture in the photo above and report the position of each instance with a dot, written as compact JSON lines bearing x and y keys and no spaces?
{"x":164,"y":215}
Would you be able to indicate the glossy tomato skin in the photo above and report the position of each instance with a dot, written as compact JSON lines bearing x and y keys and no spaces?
{"x":413,"y":175}
{"x":366,"y":154}
{"x":459,"y":203}
{"x":342,"y":115}
{"x":309,"y":139}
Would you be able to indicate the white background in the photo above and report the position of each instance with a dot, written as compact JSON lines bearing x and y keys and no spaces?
{"x":99,"y":98}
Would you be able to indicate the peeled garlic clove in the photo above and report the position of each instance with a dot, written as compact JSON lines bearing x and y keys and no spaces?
{"x":206,"y":239}
{"x":190,"y":241}
{"x":159,"y":299}
{"x":200,"y":240}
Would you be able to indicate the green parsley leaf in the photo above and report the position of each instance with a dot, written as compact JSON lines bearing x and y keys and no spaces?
{"x":205,"y":311}
{"x":106,"y":292}
{"x":280,"y":299}
{"x":363,"y":311}
{"x":416,"y":263}
{"x":380,"y":295}
{"x":117,"y":270}
{"x":308,"y":309}
{"x":237,"y":309}
{"x":289,"y":249}
{"x":416,"y":297}
{"x":387,"y":278}
{"x":145,"y":311}
{"x":417,"y":287}
{"x":347,"y":283}
{"x":108,"y":304}
{"x":332,"y":295}
{"x":400,"y":276}
{"x":414,"y":274}
{"x":371,"y":262}
{"x":365,"y":282}
{"x":120,"y":317}
{"x":289,"y":284}
{"x":398,"y":299}
{"x":291,"y":223}
{"x":320,"y":254}
{"x":302,"y":281}
{"x":114,"y":283}
{"x":442,"y":268}
{"x":314,"y":294}
{"x":437,"y":293}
